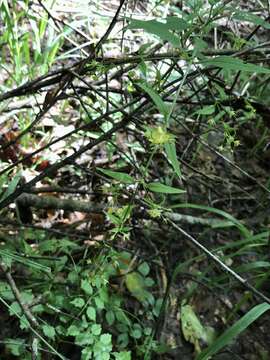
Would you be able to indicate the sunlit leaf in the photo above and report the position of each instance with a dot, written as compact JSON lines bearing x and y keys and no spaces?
{"x":192,"y":329}
{"x":78,"y":302}
{"x":91,"y":313}
{"x":123,"y":355}
{"x":48,"y":331}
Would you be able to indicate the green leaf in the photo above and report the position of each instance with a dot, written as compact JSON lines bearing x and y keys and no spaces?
{"x":161,"y":106}
{"x":230,"y":63}
{"x":176,"y":23}
{"x":86,"y":287}
{"x":110,"y":317}
{"x":27,"y":297}
{"x":206,"y":110}
{"x":48,"y":331}
{"x":12,"y":186}
{"x":49,"y":246}
{"x":123,"y":355}
{"x":15,"y":346}
{"x":136,"y":285}
{"x":106,"y":339}
{"x":78,"y":302}
{"x":144,"y":269}
{"x":73,"y":330}
{"x":24,"y":323}
{"x":84,"y":338}
{"x":102,"y":355}
{"x":192,"y":328}
{"x":5,"y":291}
{"x":165,"y":189}
{"x":87,"y":353}
{"x":123,"y":340}
{"x":96,"y":329}
{"x":234,"y":331}
{"x":119,"y":176}
{"x":244,"y":230}
{"x":99,"y":303}
{"x":7,"y":256}
{"x":172,"y":156}
{"x":136,"y":333}
{"x":157,"y":28}
{"x":252,"y":266}
{"x":247,"y":16}
{"x":122,"y":317}
{"x":91,"y":313}
{"x":73,"y":277}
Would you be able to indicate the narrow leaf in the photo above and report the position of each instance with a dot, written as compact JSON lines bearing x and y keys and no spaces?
{"x":161,"y":106}
{"x":244,"y":16}
{"x":7,"y":255}
{"x":165,"y":189}
{"x":12,"y":186}
{"x":156,"y":28}
{"x":234,"y":331}
{"x":244,"y":230}
{"x":230,"y":63}
{"x":172,"y":156}
{"x":119,"y":176}
{"x":206,"y":110}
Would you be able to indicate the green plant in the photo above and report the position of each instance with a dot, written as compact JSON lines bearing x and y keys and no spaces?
{"x":156,"y":162}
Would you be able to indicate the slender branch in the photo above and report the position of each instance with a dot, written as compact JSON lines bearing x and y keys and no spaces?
{"x":52,"y":202}
{"x":223,"y":266}
{"x":246,"y":40}
{"x":26,"y":311}
{"x":68,"y":160}
{"x":55,"y":76}
{"x":111,"y":26}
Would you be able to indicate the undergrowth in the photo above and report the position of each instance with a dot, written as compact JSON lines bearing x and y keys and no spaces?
{"x":134,"y":177}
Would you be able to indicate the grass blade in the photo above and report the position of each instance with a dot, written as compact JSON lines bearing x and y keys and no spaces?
{"x":234,"y":331}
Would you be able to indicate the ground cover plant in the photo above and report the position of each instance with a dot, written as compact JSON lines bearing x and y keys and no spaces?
{"x":134,"y":179}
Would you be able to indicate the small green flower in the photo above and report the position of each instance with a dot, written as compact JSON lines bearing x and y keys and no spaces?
{"x":154,"y":213}
{"x":158,"y":135}
{"x":211,"y":121}
{"x":130,"y":87}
